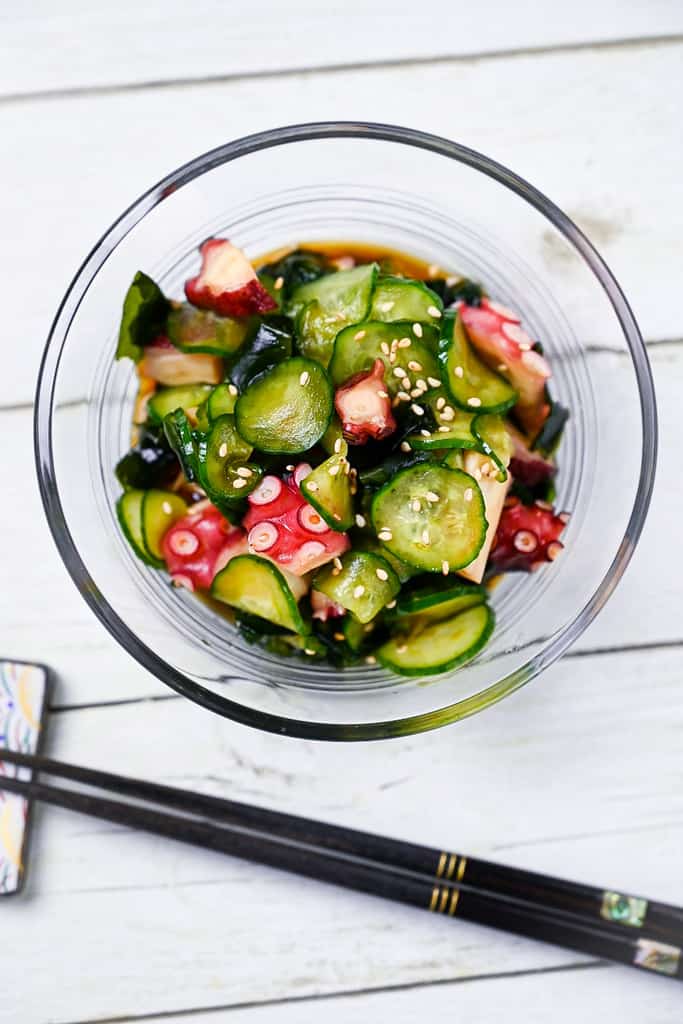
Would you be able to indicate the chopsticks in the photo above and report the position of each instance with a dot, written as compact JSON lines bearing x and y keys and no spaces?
{"x":609,"y":925}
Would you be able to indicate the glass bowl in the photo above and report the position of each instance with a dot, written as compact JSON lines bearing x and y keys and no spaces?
{"x":437,"y":200}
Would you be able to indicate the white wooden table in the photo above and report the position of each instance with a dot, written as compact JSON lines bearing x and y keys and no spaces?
{"x":579,"y":774}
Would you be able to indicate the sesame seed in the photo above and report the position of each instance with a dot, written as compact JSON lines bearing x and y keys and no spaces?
{"x":445,"y":567}
{"x":166,"y":507}
{"x":386,"y":307}
{"x":450,"y":281}
{"x":223,"y":450}
{"x":425,"y":536}
{"x":359,"y":590}
{"x":417,"y":409}
{"x":399,"y":372}
{"x":392,"y":604}
{"x":405,"y":343}
{"x":434,"y":269}
{"x":447,"y":414}
{"x":338,"y":636}
{"x":385,"y":348}
{"x":404,"y":446}
{"x":469,"y":494}
{"x":501,"y":367}
{"x":337,"y":445}
{"x":434,"y":382}
{"x":416,"y":392}
{"x":440,"y":402}
{"x":474,"y":402}
{"x":431,"y":496}
{"x":444,"y":430}
{"x":347,"y":467}
{"x":312,"y":486}
{"x":279,"y":281}
{"x":385,"y":535}
{"x":415,"y":505}
{"x":336,"y":571}
{"x":414,"y":365}
{"x":524,"y":346}
{"x":244,"y":471}
{"x":371,"y":660}
{"x":307,"y":650}
{"x":392,"y":358}
{"x":424,"y":432}
{"x":402,"y":648}
{"x":337,"y":563}
{"x":304,"y":378}
{"x":289,"y":467}
{"x":360,"y":521}
{"x":232,"y":390}
{"x":333,"y":470}
{"x":417,"y":330}
{"x":394,"y":344}
{"x":403,"y":396}
{"x":239,"y":482}
{"x":459,"y":372}
{"x":433,"y":311}
{"x":421,"y":384}
{"x":382,"y":575}
{"x":336,"y":517}
{"x":359,"y":335}
{"x":382,"y":394}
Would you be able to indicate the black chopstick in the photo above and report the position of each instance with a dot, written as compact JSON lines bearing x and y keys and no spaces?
{"x":613,"y":910}
{"x":374,"y":879}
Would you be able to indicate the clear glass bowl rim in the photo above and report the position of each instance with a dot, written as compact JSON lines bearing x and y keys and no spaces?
{"x":45,"y":401}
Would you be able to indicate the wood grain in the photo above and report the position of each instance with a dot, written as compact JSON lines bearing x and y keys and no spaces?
{"x":78,"y":45}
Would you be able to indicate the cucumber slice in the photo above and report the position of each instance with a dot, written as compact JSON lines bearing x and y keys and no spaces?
{"x":471,"y":384}
{"x":185,"y":396}
{"x":494,"y":441}
{"x":287,"y":409}
{"x":332,"y":435}
{"x":397,"y":298}
{"x":357,"y":347}
{"x":365,"y":584}
{"x":345,"y":294}
{"x":271,"y":344}
{"x":221,"y":401}
{"x":183,"y":441}
{"x":455,"y":459}
{"x":160,"y":510}
{"x":356,"y":634}
{"x":440,"y":646}
{"x":316,"y":330}
{"x":254,"y":585}
{"x":328,"y":489}
{"x":224,"y":470}
{"x":431,"y":517}
{"x":198,"y":330}
{"x":129,"y":512}
{"x":439,"y":600}
{"x":457,"y":433}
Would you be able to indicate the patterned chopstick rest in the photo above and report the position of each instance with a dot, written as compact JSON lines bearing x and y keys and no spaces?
{"x":23,"y":702}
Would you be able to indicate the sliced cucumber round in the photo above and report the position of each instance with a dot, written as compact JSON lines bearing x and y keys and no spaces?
{"x":198,"y":330}
{"x":287,"y":409}
{"x":345,"y":294}
{"x":316,"y":330}
{"x":471,"y":384}
{"x":455,"y":432}
{"x":185,"y":396}
{"x":328,"y":489}
{"x":440,"y":599}
{"x":439,"y":646}
{"x":224,"y":468}
{"x":495,"y":441}
{"x":364,"y":585}
{"x":357,"y":347}
{"x":129,"y":512}
{"x":431,"y":517}
{"x":221,"y":401}
{"x":256,"y":586}
{"x":182,"y":440}
{"x":397,"y":298}
{"x":160,"y":510}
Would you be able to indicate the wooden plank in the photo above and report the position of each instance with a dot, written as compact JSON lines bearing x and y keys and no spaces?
{"x":42,"y":615}
{"x":589,"y":993}
{"x":76,"y":45}
{"x":581,"y":152}
{"x":163,"y":927}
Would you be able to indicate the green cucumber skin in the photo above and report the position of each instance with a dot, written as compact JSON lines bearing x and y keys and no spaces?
{"x":331,"y":495}
{"x":483,"y":437}
{"x":124,"y":511}
{"x":214,"y":335}
{"x":348,"y":292}
{"x":183,"y":442}
{"x":360,"y":567}
{"x":152,"y":534}
{"x":388,"y":656}
{"x":215,"y":470}
{"x":453,"y":333}
{"x":185,"y":396}
{"x":426,"y":597}
{"x":352,"y":355}
{"x":254,"y":564}
{"x":280,"y":438}
{"x":410,"y":301}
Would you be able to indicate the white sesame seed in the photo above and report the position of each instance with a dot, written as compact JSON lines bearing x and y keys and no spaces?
{"x":432,"y":496}
{"x":371,"y":660}
{"x":440,"y":402}
{"x":433,"y":311}
{"x":347,"y":467}
{"x":405,"y":447}
{"x":382,"y":394}
{"x":385,"y":535}
{"x":312,"y":486}
{"x":360,"y":521}
{"x":359,"y":335}
{"x":402,"y":648}
{"x":166,"y":508}
{"x":415,"y":505}
{"x":244,"y":471}
{"x":434,"y":269}
{"x":524,"y":346}
{"x":392,"y":604}
{"x":337,"y":563}
{"x":337,"y":636}
{"x":392,"y":358}
{"x":417,"y":330}
{"x":414,"y":365}
{"x":501,"y":367}
{"x":394,"y":344}
{"x":304,"y":378}
{"x":309,"y":651}
{"x":399,"y":372}
{"x":417,"y":409}
{"x":458,"y":371}
{"x":421,"y":384}
{"x":474,"y":402}
{"x":444,"y":430}
{"x":359,"y":590}
{"x":239,"y":482}
{"x":445,"y":567}
{"x":223,"y":450}
{"x":425,"y":536}
{"x":403,"y":396}
{"x":333,"y":470}
{"x":416,"y":393}
{"x":469,"y":494}
{"x":434,"y":382}
{"x":232,"y":390}
{"x":336,"y":571}
{"x":405,"y":343}
{"x":279,"y":281}
{"x":382,"y":575}
{"x":289,"y":467}
{"x":386,"y":307}
{"x":385,"y":348}
{"x":337,"y":445}
{"x":447,"y":414}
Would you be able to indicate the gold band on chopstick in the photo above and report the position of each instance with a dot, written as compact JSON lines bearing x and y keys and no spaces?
{"x":461,"y":869}
{"x":452,"y":861}
{"x":442,"y":864}
{"x":447,"y":864}
{"x":444,"y":899}
{"x":435,"y":897}
{"x":454,"y":902}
